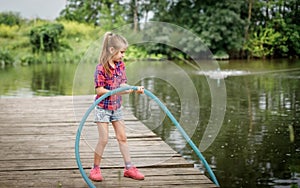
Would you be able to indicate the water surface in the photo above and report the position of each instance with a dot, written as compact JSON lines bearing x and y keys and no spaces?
{"x":258,"y":144}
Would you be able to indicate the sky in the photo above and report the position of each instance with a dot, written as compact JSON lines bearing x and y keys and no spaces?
{"x":45,"y":9}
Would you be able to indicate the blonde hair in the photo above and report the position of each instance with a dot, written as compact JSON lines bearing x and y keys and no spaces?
{"x":111,"y":40}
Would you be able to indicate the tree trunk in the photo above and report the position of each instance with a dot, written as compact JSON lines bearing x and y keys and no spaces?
{"x":248,"y":24}
{"x":135,"y":16}
{"x":267,"y":13}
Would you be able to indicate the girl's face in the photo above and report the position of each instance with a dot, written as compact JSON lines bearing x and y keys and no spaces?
{"x":119,"y":55}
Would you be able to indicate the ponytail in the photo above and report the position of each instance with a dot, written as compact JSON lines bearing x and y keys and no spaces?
{"x":111,"y":40}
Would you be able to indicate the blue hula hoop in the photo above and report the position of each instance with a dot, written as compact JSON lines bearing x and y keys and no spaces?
{"x":163,"y":107}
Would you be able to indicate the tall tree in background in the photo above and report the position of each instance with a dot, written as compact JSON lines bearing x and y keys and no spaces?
{"x":239,"y":28}
{"x":246,"y":36}
{"x":81,"y":11}
{"x":218,"y":23}
{"x":106,"y":13}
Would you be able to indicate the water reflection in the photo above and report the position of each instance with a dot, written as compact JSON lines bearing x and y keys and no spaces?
{"x":259,"y":142}
{"x":37,"y":80}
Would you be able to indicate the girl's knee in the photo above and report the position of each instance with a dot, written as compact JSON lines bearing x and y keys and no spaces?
{"x":122,"y":140}
{"x":103,"y":141}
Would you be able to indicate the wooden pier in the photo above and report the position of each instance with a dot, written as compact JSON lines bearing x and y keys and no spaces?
{"x":37,"y":139}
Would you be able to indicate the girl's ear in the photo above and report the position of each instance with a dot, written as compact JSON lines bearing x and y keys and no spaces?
{"x":111,"y":50}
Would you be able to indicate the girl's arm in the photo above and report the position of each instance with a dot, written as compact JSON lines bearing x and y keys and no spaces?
{"x":140,"y":89}
{"x":126,"y":91}
{"x":101,"y":91}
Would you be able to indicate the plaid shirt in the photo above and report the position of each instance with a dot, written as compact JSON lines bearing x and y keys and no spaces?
{"x":110,"y":82}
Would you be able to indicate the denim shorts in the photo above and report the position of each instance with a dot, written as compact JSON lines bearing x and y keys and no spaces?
{"x":106,"y":116}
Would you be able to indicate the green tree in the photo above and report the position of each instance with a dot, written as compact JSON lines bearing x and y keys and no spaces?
{"x":104,"y":13}
{"x":10,"y":18}
{"x":82,"y":11}
{"x":107,"y":13}
{"x":280,"y":16}
{"x":218,"y":23}
{"x":288,"y":23}
{"x":225,"y":26}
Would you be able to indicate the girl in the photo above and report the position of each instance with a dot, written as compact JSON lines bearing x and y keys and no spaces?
{"x":110,"y":74}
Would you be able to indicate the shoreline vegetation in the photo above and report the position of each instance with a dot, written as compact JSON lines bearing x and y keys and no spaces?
{"x":243,"y":30}
{"x":17,"y":48}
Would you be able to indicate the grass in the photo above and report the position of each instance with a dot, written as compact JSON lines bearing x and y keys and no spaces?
{"x":76,"y":39}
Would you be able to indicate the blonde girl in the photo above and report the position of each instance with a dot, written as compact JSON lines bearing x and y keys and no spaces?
{"x":110,"y":74}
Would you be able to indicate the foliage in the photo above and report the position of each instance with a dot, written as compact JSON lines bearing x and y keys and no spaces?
{"x":221,"y":24}
{"x":292,"y":34}
{"x":264,"y":42}
{"x":104,"y":13}
{"x":48,"y":58}
{"x":224,"y":26}
{"x":283,"y":17}
{"x":18,"y":45}
{"x":135,"y":52}
{"x":73,"y":29}
{"x":293,"y":42}
{"x":45,"y":38}
{"x":29,"y":59}
{"x":10,"y":18}
{"x":6,"y":57}
{"x":111,"y":16}
{"x":218,"y":24}
{"x":7,"y":31}
{"x":81,"y":11}
{"x":260,"y":29}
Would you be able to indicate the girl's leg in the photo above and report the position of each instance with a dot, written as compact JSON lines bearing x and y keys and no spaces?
{"x":130,"y":171}
{"x":119,"y":128}
{"x":102,"y":141}
{"x":95,"y":173}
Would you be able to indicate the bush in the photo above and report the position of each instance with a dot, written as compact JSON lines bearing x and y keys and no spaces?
{"x":45,"y":38}
{"x":10,"y":18}
{"x":7,"y":31}
{"x":29,"y":59}
{"x":5,"y":57}
{"x":263,"y":43}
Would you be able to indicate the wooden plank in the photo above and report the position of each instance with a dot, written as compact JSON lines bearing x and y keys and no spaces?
{"x":37,"y":137}
{"x":164,"y":177}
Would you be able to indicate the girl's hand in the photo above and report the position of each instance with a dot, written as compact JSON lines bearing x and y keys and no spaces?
{"x":140,"y":90}
{"x":128,"y":91}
